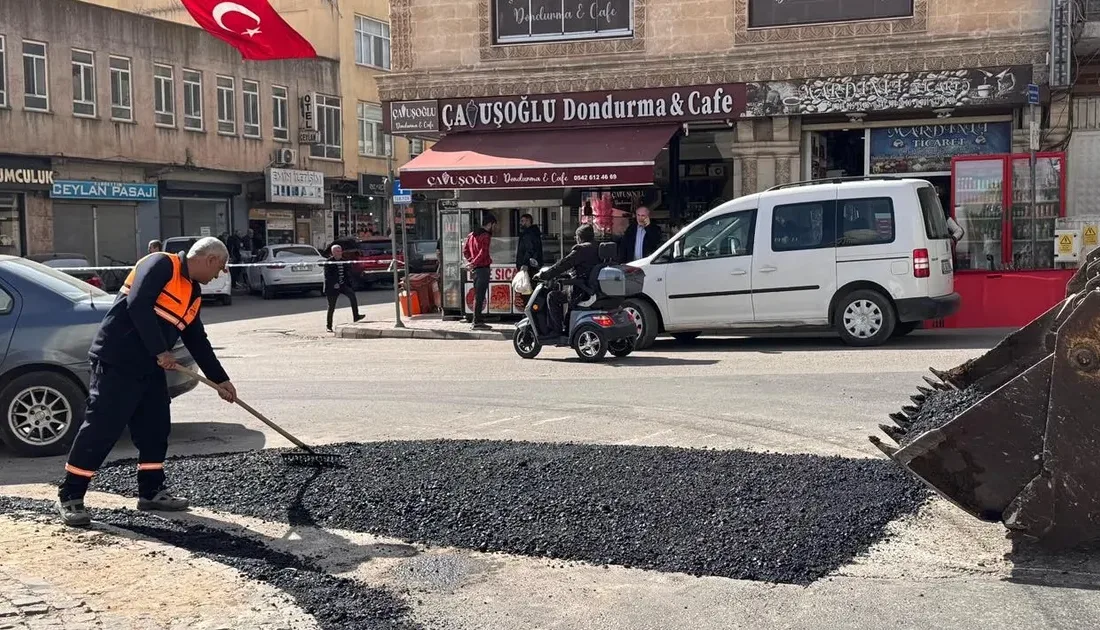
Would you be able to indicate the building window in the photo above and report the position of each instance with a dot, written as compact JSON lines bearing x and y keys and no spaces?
{"x":192,"y":100}
{"x":36,"y":93}
{"x":557,"y":20}
{"x":372,"y":43}
{"x":416,"y":146}
{"x":3,"y":73}
{"x":122,"y":91}
{"x":251,"y":91}
{"x":164,"y":96}
{"x":372,"y":141}
{"x":280,"y":113}
{"x":771,"y":14}
{"x":227,"y":109}
{"x":328,"y":124}
{"x":83,"y":83}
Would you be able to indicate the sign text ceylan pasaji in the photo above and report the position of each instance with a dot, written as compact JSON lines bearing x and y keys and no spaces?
{"x":544,"y":111}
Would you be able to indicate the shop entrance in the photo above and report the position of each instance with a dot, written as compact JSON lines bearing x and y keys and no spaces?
{"x":838,"y":153}
{"x":11,"y":225}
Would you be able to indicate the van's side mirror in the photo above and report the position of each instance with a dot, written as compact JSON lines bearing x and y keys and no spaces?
{"x":677,"y":250}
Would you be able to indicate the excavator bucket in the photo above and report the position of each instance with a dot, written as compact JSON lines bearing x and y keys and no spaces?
{"x":1011,"y":436}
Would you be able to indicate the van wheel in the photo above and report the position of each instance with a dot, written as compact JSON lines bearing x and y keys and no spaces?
{"x":645,"y":320}
{"x":864,"y":318}
{"x":40,"y":414}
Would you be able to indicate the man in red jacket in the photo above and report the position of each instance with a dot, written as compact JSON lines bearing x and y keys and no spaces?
{"x":476,"y":253}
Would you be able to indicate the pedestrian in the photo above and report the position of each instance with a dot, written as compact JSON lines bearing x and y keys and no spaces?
{"x":478,"y":259}
{"x":337,"y":284}
{"x":157,"y":306}
{"x":641,"y":239}
{"x":233,"y":244}
{"x":529,"y":251}
{"x":155,"y":246}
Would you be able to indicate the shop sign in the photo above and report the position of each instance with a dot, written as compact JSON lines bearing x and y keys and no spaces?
{"x":929,"y":148}
{"x":372,"y":185}
{"x":529,"y":177}
{"x":771,"y":13}
{"x":548,"y":20}
{"x":103,"y":191}
{"x":286,"y":185}
{"x":654,"y":105}
{"x":899,"y":91}
{"x":27,"y":174}
{"x":412,"y":117}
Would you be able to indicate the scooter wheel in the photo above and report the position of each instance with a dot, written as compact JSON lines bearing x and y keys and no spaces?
{"x":525,"y":344}
{"x":621,"y":347}
{"x":590,"y":343}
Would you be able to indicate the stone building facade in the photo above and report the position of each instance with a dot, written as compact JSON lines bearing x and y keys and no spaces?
{"x":141,"y":129}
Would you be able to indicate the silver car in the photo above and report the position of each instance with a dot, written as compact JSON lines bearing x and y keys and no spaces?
{"x":48,"y":320}
{"x":286,"y":268}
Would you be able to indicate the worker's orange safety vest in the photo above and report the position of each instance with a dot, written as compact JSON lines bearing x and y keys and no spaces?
{"x":174,"y":302}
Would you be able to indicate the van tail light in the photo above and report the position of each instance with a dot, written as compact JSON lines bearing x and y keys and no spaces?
{"x":922,"y":266}
{"x":603,"y":321}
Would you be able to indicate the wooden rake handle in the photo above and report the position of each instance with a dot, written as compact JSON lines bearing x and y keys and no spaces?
{"x":259,"y":416}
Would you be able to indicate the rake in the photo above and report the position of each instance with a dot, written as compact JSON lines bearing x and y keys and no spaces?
{"x":309,"y":458}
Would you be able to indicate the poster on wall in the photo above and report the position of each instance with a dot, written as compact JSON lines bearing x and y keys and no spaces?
{"x":502,"y":300}
{"x":772,"y":13}
{"x":929,"y":148}
{"x":527,"y":20}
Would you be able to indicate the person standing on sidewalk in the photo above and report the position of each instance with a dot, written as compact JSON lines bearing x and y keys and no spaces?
{"x":157,"y":305}
{"x":476,"y":253}
{"x":529,"y":251}
{"x":337,"y":283}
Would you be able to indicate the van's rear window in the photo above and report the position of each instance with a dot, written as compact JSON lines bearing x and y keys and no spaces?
{"x":935,"y":221}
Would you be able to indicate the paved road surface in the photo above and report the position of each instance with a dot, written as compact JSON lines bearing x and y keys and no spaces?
{"x":943,"y":570}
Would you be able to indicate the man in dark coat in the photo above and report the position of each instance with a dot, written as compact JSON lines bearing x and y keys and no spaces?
{"x":641,"y":239}
{"x":529,"y":253}
{"x":581,"y":260}
{"x":337,"y":283}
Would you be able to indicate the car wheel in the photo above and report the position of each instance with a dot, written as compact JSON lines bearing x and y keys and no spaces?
{"x":686,"y":337}
{"x":904,"y":328}
{"x":525,"y":344}
{"x":590,"y":343}
{"x":265,"y":291}
{"x":621,"y":347}
{"x":864,"y":318}
{"x":40,"y":413}
{"x":645,"y":320}
{"x":227,"y":300}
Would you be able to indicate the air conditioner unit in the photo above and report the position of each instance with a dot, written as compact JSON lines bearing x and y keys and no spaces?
{"x":286,"y":156}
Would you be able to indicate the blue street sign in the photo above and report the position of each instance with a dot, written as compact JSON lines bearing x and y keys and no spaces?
{"x":1032,"y":94}
{"x":103,"y":191}
{"x":400,"y":195}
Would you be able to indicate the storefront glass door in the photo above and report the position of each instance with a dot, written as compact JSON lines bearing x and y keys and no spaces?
{"x":1037,"y":223}
{"x":980,"y":211}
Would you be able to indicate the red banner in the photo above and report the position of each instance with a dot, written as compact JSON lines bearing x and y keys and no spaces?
{"x":255,"y":29}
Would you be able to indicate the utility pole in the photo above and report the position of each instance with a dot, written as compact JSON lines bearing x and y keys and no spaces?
{"x":390,"y":189}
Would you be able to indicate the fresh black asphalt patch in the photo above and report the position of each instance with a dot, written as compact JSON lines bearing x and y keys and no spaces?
{"x":335,"y":603}
{"x":939,"y":408}
{"x":757,"y":516}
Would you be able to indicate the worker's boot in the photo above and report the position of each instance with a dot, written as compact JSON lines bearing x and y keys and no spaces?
{"x":73,"y":513}
{"x":163,"y":501}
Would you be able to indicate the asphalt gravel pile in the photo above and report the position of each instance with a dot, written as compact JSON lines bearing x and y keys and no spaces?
{"x":758,"y":516}
{"x":939,"y":408}
{"x":335,"y":603}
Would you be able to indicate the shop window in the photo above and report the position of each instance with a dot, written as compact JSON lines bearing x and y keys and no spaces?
{"x":372,"y":141}
{"x":164,"y":96}
{"x":122,"y":90}
{"x":251,"y":91}
{"x":720,"y":237}
{"x":800,"y":226}
{"x":329,"y":125}
{"x":227,"y":107}
{"x":557,"y":20}
{"x":83,"y":83}
{"x":372,"y":42}
{"x":280,"y":116}
{"x":11,"y":226}
{"x":866,"y":222}
{"x":36,"y":91}
{"x":416,"y":146}
{"x":3,"y":72}
{"x":192,"y":100}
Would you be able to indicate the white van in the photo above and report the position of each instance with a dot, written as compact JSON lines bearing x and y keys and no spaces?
{"x":867,"y":257}
{"x":221,"y":288}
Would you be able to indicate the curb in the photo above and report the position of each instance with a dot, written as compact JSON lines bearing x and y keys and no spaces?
{"x":360,"y":332}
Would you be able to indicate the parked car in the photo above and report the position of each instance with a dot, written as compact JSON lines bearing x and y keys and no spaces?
{"x":371,"y":258}
{"x":48,"y":320}
{"x":69,"y":263}
{"x":423,"y":257}
{"x":288,"y":268}
{"x":868,"y":258}
{"x":220,"y":288}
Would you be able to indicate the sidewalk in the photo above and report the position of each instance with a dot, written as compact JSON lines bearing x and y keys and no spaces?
{"x":425,"y":327}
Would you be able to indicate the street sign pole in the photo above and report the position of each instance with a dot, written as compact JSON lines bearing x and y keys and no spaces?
{"x":391,"y":190}
{"x":1033,"y":146}
{"x":405,"y":253}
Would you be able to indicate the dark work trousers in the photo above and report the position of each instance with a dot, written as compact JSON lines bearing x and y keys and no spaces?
{"x":481,"y":293}
{"x":556,"y":302}
{"x":117,"y":400}
{"x":334,"y":294}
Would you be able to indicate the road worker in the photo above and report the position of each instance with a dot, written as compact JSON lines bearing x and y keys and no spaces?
{"x":157,"y":305}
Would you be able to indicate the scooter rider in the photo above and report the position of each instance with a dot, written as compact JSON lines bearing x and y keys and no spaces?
{"x":581,"y":260}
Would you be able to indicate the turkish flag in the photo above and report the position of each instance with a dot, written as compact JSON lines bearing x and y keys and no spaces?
{"x":252,"y":27}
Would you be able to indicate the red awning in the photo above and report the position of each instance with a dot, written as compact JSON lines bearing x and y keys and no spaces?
{"x":619,"y":156}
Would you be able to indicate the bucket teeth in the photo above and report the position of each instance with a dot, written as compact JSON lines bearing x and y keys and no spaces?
{"x":901,"y":420}
{"x":943,"y":376}
{"x":924,"y":390}
{"x":936,"y":384}
{"x":917,"y":398}
{"x":894,"y":432}
{"x":890,"y":451}
{"x":910,"y":410}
